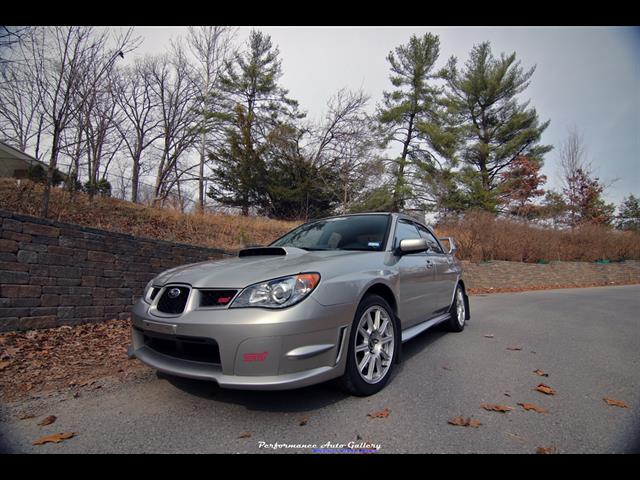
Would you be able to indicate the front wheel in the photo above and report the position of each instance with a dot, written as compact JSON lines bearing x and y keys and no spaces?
{"x":457,"y":312}
{"x":372,"y":347}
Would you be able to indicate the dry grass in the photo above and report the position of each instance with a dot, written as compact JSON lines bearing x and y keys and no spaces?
{"x":208,"y":229}
{"x":481,"y":236}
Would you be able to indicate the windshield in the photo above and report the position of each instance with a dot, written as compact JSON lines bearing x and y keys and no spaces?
{"x":354,"y":232}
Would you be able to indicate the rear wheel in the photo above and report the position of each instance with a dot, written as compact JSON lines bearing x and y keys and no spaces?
{"x":372,"y":347}
{"x":457,"y":312}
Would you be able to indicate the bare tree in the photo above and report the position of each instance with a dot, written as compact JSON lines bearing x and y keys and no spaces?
{"x":211,"y":47}
{"x":66,"y":63}
{"x":173,"y":83}
{"x":9,"y":38}
{"x":140,"y":105}
{"x":21,"y":118}
{"x":346,"y":143}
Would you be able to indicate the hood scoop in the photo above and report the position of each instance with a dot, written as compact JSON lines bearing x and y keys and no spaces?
{"x":261,"y":251}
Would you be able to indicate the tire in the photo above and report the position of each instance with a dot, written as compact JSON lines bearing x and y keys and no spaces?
{"x":457,"y":312}
{"x":382,"y":348}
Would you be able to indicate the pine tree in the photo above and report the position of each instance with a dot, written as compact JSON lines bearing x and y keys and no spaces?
{"x":628,"y":217}
{"x":412,"y":103}
{"x":256,"y":106}
{"x":494,"y":128}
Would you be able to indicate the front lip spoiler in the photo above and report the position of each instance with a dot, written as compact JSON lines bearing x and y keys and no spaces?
{"x":210,"y":372}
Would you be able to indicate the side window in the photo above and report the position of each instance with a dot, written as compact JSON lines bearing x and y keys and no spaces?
{"x":404,"y":230}
{"x":431,"y":240}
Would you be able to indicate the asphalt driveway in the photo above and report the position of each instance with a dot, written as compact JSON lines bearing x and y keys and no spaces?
{"x":587,"y":340}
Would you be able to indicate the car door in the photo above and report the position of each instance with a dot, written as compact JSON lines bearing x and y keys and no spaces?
{"x":445,"y":272}
{"x":416,"y":277}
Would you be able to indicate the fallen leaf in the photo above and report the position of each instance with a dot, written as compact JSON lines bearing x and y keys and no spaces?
{"x":546,"y":389}
{"x":303,"y":421}
{"x":380,"y":414}
{"x":464,"y":422}
{"x":545,"y":450}
{"x":615,"y":403}
{"x":245,"y":435}
{"x":48,"y":420}
{"x":4,"y":365}
{"x":540,"y":373}
{"x":514,"y":349}
{"x":534,"y":407}
{"x":55,"y":438}
{"x":489,"y":335}
{"x":495,"y":408}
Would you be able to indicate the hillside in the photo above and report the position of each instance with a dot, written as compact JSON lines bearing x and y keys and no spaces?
{"x":210,"y":230}
{"x":479,"y":235}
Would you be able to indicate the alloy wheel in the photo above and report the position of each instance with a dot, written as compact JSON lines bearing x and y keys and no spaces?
{"x":374,"y":344}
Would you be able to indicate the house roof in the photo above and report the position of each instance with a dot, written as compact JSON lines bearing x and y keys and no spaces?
{"x":9,"y":152}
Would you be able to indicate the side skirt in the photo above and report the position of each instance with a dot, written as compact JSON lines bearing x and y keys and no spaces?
{"x":411,"y":332}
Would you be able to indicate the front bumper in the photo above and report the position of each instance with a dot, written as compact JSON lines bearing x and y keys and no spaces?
{"x":258,"y":348}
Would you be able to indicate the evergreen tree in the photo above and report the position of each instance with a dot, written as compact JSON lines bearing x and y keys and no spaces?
{"x":628,"y":217}
{"x":256,"y":106}
{"x":412,"y":103}
{"x":493,"y":127}
{"x":296,"y":187}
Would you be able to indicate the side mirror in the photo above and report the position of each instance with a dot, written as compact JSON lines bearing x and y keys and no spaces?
{"x":413,"y":245}
{"x":452,"y":245}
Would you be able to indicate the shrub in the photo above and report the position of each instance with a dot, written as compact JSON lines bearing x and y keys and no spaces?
{"x":482,"y":236}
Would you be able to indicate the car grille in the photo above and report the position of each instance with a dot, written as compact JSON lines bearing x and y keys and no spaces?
{"x":198,"y":349}
{"x":176,"y":305}
{"x":216,"y":298}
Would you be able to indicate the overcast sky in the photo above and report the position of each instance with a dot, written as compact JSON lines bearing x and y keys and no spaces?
{"x":586,"y":77}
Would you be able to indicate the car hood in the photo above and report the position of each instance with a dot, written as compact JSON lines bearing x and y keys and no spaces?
{"x":239,"y":272}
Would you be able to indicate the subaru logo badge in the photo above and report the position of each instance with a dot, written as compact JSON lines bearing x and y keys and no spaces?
{"x":174,"y":293}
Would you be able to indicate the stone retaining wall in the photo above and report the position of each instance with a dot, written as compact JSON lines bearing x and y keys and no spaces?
{"x":54,"y":273}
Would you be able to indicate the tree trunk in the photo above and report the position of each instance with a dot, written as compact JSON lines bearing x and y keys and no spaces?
{"x":53,"y":161}
{"x":398,"y":201}
{"x":203,"y":139}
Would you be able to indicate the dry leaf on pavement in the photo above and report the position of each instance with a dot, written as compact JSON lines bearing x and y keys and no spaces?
{"x":55,"y":438}
{"x":615,"y":403}
{"x":48,"y":420}
{"x":303,"y":421}
{"x":545,"y":450}
{"x":495,"y":408}
{"x":541,"y":373}
{"x":245,"y":435}
{"x":464,"y":422}
{"x":534,"y":407}
{"x":546,"y":389}
{"x":381,"y":414}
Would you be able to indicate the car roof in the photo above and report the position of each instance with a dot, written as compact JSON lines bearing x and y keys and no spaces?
{"x":397,"y":215}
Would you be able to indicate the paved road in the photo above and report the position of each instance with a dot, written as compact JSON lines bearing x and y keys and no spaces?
{"x":588,"y":340}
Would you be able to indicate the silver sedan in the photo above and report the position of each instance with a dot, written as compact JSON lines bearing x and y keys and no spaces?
{"x":333,"y":298}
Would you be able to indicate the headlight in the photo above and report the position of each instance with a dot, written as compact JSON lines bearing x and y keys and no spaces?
{"x":278,"y":293}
